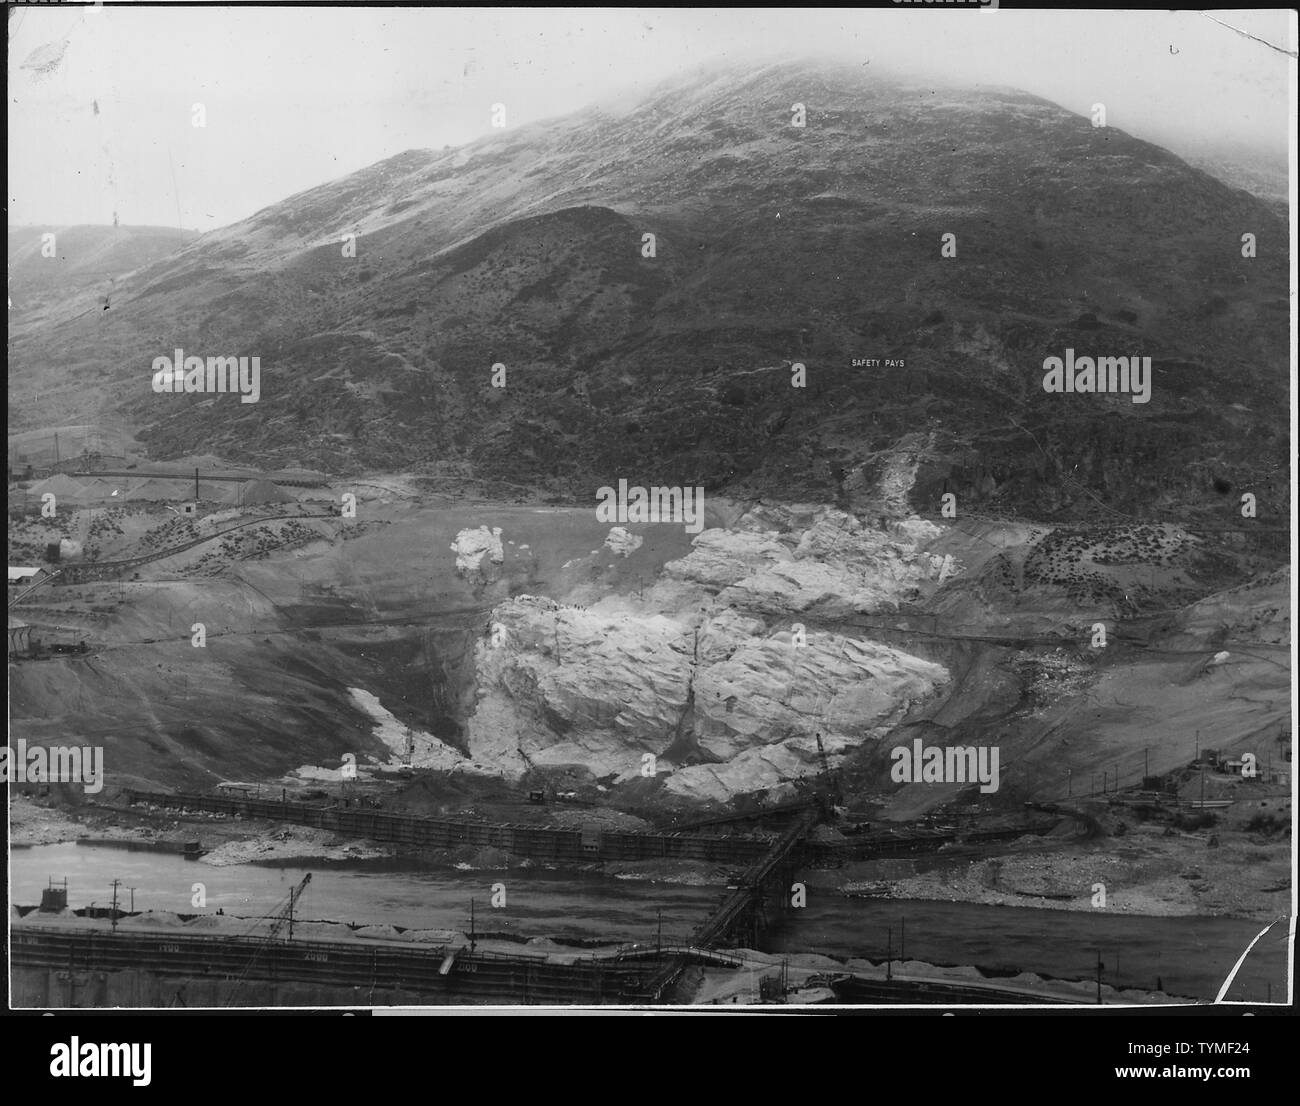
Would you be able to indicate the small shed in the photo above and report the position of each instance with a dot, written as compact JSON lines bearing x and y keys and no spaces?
{"x":21,"y":576}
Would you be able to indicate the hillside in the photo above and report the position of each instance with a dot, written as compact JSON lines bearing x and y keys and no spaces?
{"x":82,"y":262}
{"x":774,"y":244}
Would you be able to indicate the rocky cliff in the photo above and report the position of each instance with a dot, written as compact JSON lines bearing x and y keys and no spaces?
{"x":716,"y":679}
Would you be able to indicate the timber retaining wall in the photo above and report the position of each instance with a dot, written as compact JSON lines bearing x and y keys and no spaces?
{"x":552,"y":843}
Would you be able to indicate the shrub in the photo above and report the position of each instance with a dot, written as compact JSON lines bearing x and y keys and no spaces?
{"x":1268,"y":824}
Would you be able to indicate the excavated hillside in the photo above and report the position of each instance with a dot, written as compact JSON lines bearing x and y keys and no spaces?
{"x":712,"y":673}
{"x":774,"y":245}
{"x":543,"y":647}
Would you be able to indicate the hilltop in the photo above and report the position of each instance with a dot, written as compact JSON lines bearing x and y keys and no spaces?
{"x":774,"y":244}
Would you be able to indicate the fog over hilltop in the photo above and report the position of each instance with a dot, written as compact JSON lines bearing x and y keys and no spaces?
{"x":101,"y":117}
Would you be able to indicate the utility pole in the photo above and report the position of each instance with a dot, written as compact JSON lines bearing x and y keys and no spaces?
{"x":1099,"y":968}
{"x":472,"y":941}
{"x":659,"y":931}
{"x":116,"y":882}
{"x":196,"y":484}
{"x":889,"y":954}
{"x":132,"y":890}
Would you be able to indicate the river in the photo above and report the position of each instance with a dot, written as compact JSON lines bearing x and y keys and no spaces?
{"x":538,"y":903}
{"x":1190,"y":956}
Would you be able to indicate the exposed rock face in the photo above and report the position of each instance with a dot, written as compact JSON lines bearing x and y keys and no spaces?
{"x":722,"y":557}
{"x":570,"y":686}
{"x":622,"y":541}
{"x":709,"y":680}
{"x":756,"y":712}
{"x":834,"y":567}
{"x":782,"y":690}
{"x":425,"y":750}
{"x":473,"y":547}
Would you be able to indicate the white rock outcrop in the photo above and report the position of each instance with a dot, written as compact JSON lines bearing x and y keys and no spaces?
{"x":567,"y":686}
{"x":473,"y":547}
{"x":622,"y":542}
{"x":706,"y":673}
{"x":832,"y":567}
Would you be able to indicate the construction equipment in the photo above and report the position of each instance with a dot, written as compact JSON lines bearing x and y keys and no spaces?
{"x":285,"y":913}
{"x":828,"y":783}
{"x":821,"y":754}
{"x":279,"y":918}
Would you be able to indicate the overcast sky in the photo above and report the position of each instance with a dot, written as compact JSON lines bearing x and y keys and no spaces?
{"x":100,"y":101}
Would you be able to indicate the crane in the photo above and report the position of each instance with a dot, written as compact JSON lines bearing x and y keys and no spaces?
{"x":821,"y":753}
{"x":828,"y":784}
{"x":280,"y":917}
{"x":285,"y":913}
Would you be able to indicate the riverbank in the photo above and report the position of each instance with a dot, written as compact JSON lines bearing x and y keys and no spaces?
{"x":743,"y":983}
{"x":1148,"y":872}
{"x":226,"y":841}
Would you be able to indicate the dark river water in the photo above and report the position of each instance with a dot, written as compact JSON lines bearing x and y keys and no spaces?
{"x":1190,"y":956}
